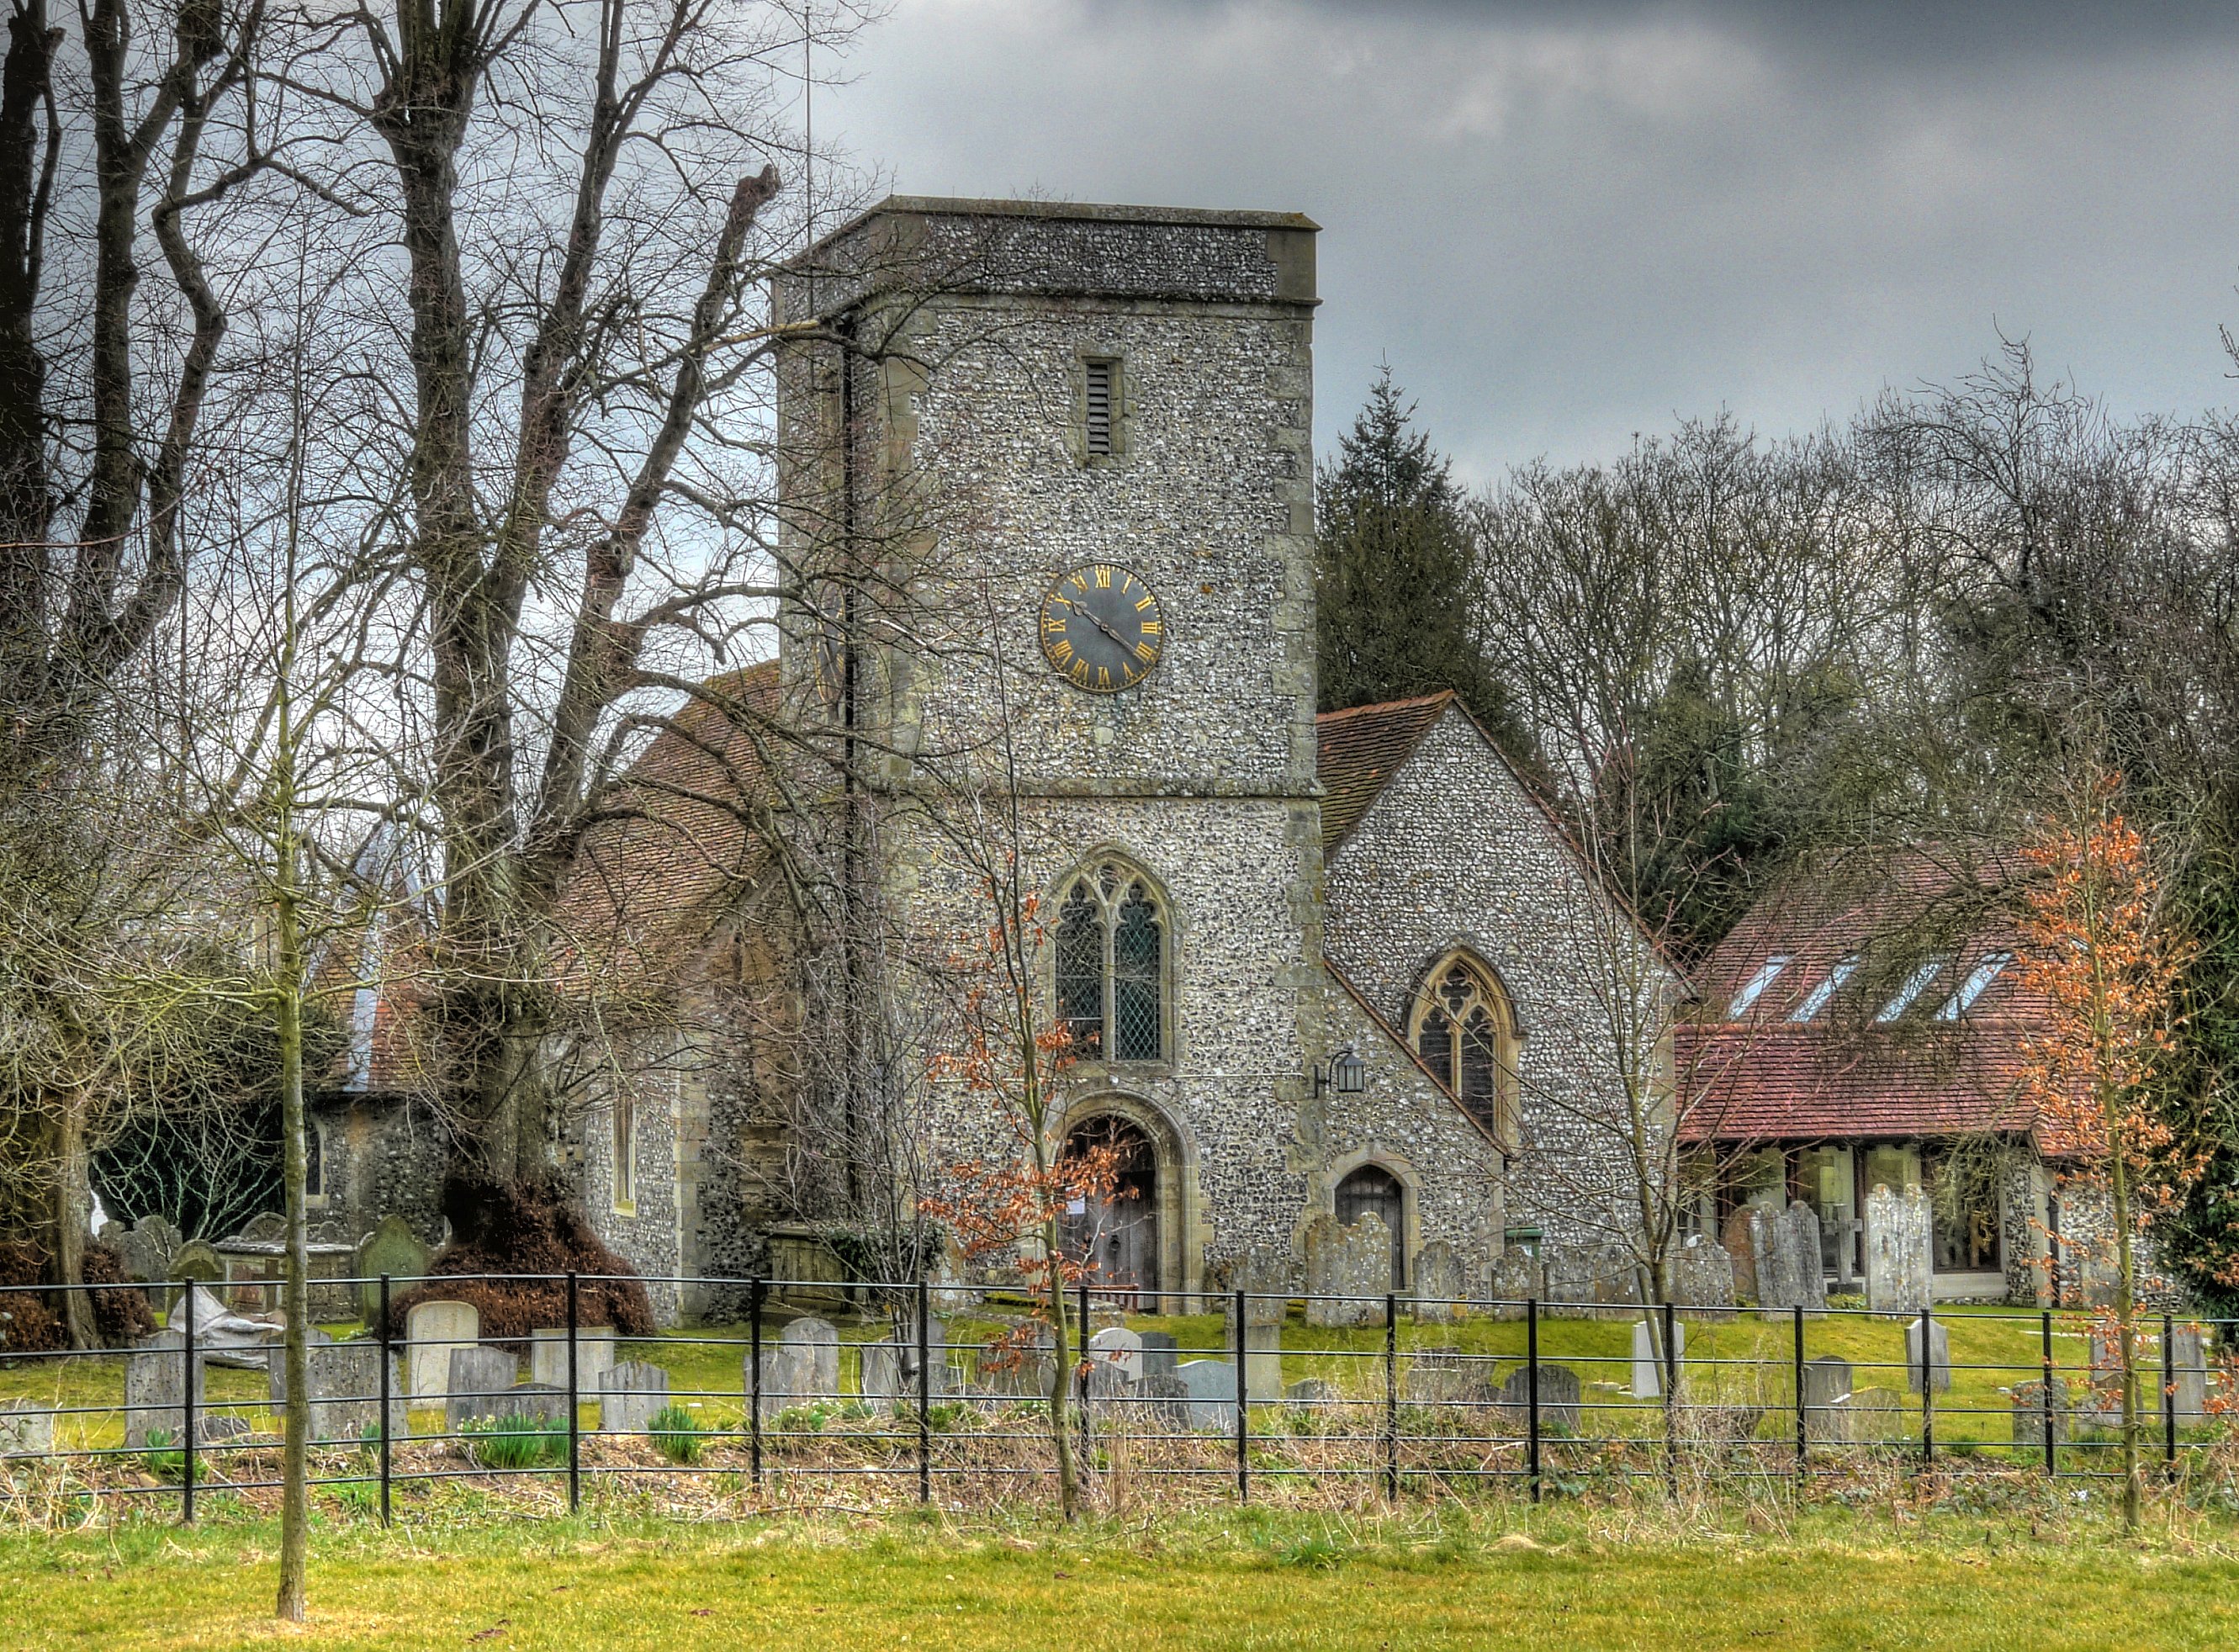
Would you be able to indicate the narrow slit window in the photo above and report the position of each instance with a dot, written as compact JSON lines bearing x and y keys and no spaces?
{"x":1102,"y":376}
{"x":1820,"y":997}
{"x":625,"y":1153}
{"x":1753,"y":989}
{"x":1914,"y":984}
{"x":1978,"y":982}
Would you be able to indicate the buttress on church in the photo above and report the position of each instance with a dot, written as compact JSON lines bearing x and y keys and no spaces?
{"x":1313,"y":965}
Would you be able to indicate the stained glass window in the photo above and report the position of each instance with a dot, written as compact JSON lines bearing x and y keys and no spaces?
{"x":1465,"y":1034}
{"x":1111,"y":959}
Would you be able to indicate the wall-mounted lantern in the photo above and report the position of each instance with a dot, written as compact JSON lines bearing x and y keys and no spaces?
{"x":1346,"y":1073}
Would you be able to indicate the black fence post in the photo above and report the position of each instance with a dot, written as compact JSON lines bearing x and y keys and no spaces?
{"x":1802,"y":1423}
{"x":387,"y":1376}
{"x":1243,"y":1424}
{"x":2051,"y":1444}
{"x":1671,"y":1400}
{"x":756,"y":1289}
{"x":187,"y":1404}
{"x":2169,"y":1390}
{"x":574,"y":1401}
{"x":1531,"y":1394}
{"x":1081,"y":1373}
{"x":924,"y":1391}
{"x":1391,"y":1398}
{"x":1927,"y":1394}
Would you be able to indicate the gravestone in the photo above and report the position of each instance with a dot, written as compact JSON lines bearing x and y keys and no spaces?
{"x":1559,"y":1397}
{"x":1516,"y":1279}
{"x":264,"y":1228}
{"x":800,"y":1366}
{"x":1210,"y":1388}
{"x":1701,"y":1278}
{"x":476,"y":1382}
{"x":1165,"y":1401}
{"x":951,"y":1282}
{"x":2028,"y":1414}
{"x":1310,"y":1391}
{"x":1939,"y":1356}
{"x":1787,"y":1260}
{"x":156,"y":1389}
{"x":344,"y":1383}
{"x":1023,"y":1366}
{"x":392,"y":1247}
{"x":1647,"y":1367}
{"x":1160,"y":1355}
{"x":1879,"y":1416}
{"x":1740,"y":1240}
{"x":26,"y":1430}
{"x":197,"y":1261}
{"x":1443,"y":1376}
{"x":1617,"y":1281}
{"x":1898,"y":1261}
{"x":1118,"y":1350}
{"x":630,"y":1396}
{"x":1263,"y":1278}
{"x":2189,"y":1374}
{"x":221,"y":1336}
{"x":1567,"y":1272}
{"x":1438,"y":1285}
{"x":148,"y":1248}
{"x":433,"y":1332}
{"x":1348,"y":1270}
{"x":1827,"y":1384}
{"x":547,"y":1355}
{"x":889,"y":1369}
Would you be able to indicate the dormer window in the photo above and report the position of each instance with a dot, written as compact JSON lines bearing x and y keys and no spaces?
{"x":1753,"y":989}
{"x":1819,"y":996}
{"x":1978,"y":982}
{"x":1914,"y":984}
{"x":1101,"y":407}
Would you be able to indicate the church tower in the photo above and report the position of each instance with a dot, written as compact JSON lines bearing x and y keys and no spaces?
{"x":1064,"y":454}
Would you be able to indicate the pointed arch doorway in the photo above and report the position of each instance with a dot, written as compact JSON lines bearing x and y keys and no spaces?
{"x":1118,"y":1236}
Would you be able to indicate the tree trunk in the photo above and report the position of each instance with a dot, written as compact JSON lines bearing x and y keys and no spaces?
{"x":72,"y":1218}
{"x":2126,"y":1323}
{"x":295,"y":1512}
{"x":1060,"y":1417}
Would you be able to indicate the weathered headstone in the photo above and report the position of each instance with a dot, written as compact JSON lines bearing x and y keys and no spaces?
{"x":393,"y":1248}
{"x":801,"y":1366}
{"x":2028,"y":1413}
{"x":27,"y":1429}
{"x":1618,"y":1282}
{"x":343,"y":1380}
{"x":1939,"y":1355}
{"x":889,"y":1369}
{"x":1118,"y":1349}
{"x":476,"y":1382}
{"x":1827,"y":1384}
{"x":1210,"y":1385}
{"x":1264,"y":1278}
{"x":1899,"y":1260}
{"x":1787,"y":1260}
{"x":1516,"y":1279}
{"x":1568,"y":1273}
{"x":1348,"y":1270}
{"x":1739,"y":1237}
{"x":1701,"y":1278}
{"x":1162,"y":1401}
{"x":630,"y":1396}
{"x":1160,"y":1355}
{"x":156,"y":1389}
{"x":1648,"y":1364}
{"x":1310,"y":1391}
{"x":1444,"y":1376}
{"x":2189,"y":1375}
{"x":1559,"y":1397}
{"x":148,"y":1248}
{"x":547,"y":1357}
{"x":264,"y":1228}
{"x":1879,"y":1417}
{"x":433,"y":1332}
{"x":1439,"y":1286}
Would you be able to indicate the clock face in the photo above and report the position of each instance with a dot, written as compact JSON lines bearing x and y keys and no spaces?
{"x":1101,"y":628}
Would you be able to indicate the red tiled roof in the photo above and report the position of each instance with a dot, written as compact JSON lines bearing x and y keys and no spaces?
{"x":1845,"y":1073}
{"x":649,"y":879}
{"x":1361,"y":749}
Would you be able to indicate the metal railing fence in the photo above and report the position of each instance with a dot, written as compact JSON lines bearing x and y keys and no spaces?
{"x":1404,"y":1394}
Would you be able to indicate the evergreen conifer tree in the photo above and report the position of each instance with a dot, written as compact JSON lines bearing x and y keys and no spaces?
{"x":1396,"y":574}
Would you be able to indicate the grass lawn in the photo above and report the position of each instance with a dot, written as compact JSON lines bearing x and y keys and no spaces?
{"x":1244,"y":1580}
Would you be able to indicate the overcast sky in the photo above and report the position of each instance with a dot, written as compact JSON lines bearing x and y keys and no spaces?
{"x":1562,"y":224}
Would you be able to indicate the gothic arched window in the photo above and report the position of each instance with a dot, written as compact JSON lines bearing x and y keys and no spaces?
{"x":1111,"y":957}
{"x":1464,"y":1031}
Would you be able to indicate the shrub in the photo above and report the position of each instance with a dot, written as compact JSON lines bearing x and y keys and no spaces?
{"x":515,"y":1442}
{"x":676,"y":1434}
{"x":33,"y":1321}
{"x":536,"y":1229}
